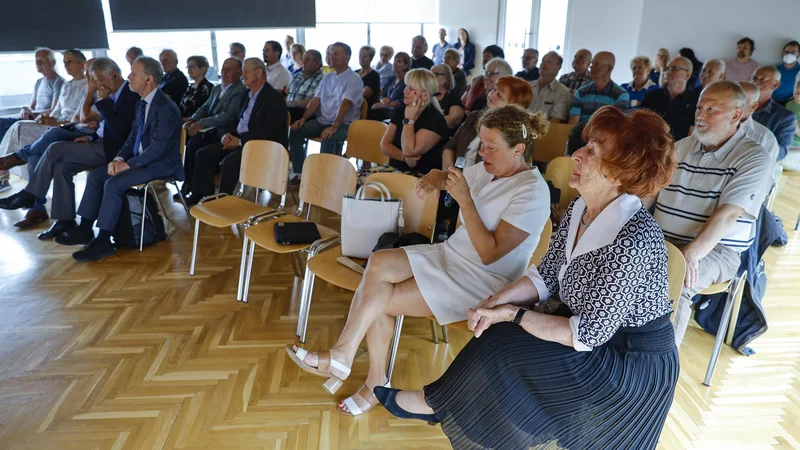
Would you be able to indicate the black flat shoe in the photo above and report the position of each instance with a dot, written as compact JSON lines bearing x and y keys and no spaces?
{"x":21,"y":199}
{"x":57,"y":229}
{"x":387,"y":397}
{"x":97,"y":250}
{"x":76,"y":236}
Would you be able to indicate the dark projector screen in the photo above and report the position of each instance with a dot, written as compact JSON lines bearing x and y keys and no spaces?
{"x":63,"y":24}
{"x":136,"y":15}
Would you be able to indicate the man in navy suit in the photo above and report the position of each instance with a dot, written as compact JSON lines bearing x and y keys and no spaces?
{"x":150,"y":153}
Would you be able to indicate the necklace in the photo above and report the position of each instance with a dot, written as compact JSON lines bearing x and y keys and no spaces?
{"x":584,"y":224}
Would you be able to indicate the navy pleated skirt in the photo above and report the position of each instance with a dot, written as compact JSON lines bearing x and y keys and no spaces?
{"x":511,"y":390}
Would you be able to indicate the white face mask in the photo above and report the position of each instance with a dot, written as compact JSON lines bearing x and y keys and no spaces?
{"x":789,"y":58}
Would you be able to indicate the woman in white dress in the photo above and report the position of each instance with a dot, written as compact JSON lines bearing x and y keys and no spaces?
{"x":69,"y":103}
{"x":504,"y":206}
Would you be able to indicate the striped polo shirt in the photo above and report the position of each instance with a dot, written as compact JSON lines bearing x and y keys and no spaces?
{"x":588,"y":99}
{"x":732,"y":174}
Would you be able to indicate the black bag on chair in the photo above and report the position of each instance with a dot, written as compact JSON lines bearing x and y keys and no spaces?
{"x":129,"y":227}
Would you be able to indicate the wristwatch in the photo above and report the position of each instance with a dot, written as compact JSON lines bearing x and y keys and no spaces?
{"x":518,"y":318}
{"x":407,"y":121}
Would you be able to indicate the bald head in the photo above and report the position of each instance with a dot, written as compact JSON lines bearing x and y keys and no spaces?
{"x":713,"y":71}
{"x":751,"y":93}
{"x":602,"y":66}
{"x":718,"y":114}
{"x":731,"y":92}
{"x":767,"y":78}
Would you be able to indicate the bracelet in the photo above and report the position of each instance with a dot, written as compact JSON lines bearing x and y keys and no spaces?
{"x":518,"y":318}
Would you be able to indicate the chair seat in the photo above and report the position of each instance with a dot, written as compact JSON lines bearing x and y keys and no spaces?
{"x":315,"y":139}
{"x":226,"y":211}
{"x":456,"y":325}
{"x":326,"y":267}
{"x":263,"y":234}
{"x":154,"y":183}
{"x":716,"y":288}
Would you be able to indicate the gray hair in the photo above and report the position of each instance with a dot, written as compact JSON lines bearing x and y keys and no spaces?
{"x":732,"y":90}
{"x":718,"y":62}
{"x":50,"y":53}
{"x":256,"y":63}
{"x":316,"y":55}
{"x":420,"y":38}
{"x":388,"y":48}
{"x":687,"y":61}
{"x":151,"y":67}
{"x":344,"y":47}
{"x":750,"y":88}
{"x":76,"y":53}
{"x":500,"y":65}
{"x":448,"y":75}
{"x":172,"y":52}
{"x":370,"y":49}
{"x":776,"y":74}
{"x":105,"y":65}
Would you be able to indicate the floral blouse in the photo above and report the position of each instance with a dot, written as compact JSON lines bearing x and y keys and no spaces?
{"x":196,"y":94}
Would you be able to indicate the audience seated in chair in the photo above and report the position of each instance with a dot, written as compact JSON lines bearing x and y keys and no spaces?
{"x":550,"y":96}
{"x":238,"y":51}
{"x":504,"y":205}
{"x":297,"y":52}
{"x":495,"y":68}
{"x":755,"y":130}
{"x":778,"y":119}
{"x":453,"y":60}
{"x":61,"y":153}
{"x":384,"y":66}
{"x":419,"y":46}
{"x":712,"y":230}
{"x":132,"y":54}
{"x":338,"y":101}
{"x":287,"y":59}
{"x":174,"y":82}
{"x":262,"y":116}
{"x":641,"y":84}
{"x":70,"y":99}
{"x":675,"y":102}
{"x":694,"y":79}
{"x":713,"y":71}
{"x":530,"y":59}
{"x":601,"y":91}
{"x":370,"y":78}
{"x":418,"y":149}
{"x":218,"y":116}
{"x":466,"y":50}
{"x":150,"y":153}
{"x":304,"y":84}
{"x":392,"y":93}
{"x":790,"y":68}
{"x":450,"y":102}
{"x":580,"y":71}
{"x":792,"y":160}
{"x":742,"y":67}
{"x":198,"y":92}
{"x":278,"y":76}
{"x":658,"y":72}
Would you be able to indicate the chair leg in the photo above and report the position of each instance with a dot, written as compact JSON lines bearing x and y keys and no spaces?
{"x":305,"y":302}
{"x":434,"y":333}
{"x":161,"y":209}
{"x":797,"y":224}
{"x":248,"y":274}
{"x":737,"y":303}
{"x":194,"y":246}
{"x":183,"y":202}
{"x":144,"y":216}
{"x":723,"y":326}
{"x":242,"y":268}
{"x":445,"y":334}
{"x":398,"y":328}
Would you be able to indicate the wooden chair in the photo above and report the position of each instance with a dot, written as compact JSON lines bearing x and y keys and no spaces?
{"x":536,"y":258}
{"x":265,"y":166}
{"x":730,"y":314}
{"x":326,"y":180}
{"x":363,"y":116}
{"x":419,"y":216}
{"x":553,"y":144}
{"x":151,"y":187}
{"x":559,"y":171}
{"x":364,"y":141}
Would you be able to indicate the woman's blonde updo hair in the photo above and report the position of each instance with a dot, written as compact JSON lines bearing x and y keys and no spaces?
{"x":516,"y":125}
{"x":424,"y":80}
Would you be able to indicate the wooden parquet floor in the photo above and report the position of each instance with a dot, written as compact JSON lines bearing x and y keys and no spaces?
{"x":133,"y":353}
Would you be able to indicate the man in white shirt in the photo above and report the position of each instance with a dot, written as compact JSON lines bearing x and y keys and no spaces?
{"x":286,"y":59}
{"x":278,"y":76}
{"x":549,"y":95}
{"x":338,"y":100}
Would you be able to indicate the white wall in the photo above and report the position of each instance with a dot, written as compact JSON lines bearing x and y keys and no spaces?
{"x":478,"y":17}
{"x":712,"y":27}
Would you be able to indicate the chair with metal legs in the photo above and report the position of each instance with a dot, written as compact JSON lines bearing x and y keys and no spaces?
{"x":730,"y":314}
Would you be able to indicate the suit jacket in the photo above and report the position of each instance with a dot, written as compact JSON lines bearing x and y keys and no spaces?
{"x":222,"y":114}
{"x":117,"y":119}
{"x":160,"y":139}
{"x":781,"y":122}
{"x":268,"y":118}
{"x":175,"y":85}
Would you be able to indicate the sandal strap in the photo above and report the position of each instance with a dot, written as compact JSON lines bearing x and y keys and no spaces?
{"x":301,"y":353}
{"x":352,"y":406}
{"x":325,"y":364}
{"x":339,"y":366}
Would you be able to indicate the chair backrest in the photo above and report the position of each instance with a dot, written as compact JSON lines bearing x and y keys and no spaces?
{"x":677,"y":271}
{"x":326,"y":180}
{"x":364,"y":141}
{"x":182,"y":144}
{"x":265,"y":165}
{"x":559,"y":171}
{"x":364,"y":108}
{"x":553,"y":144}
{"x":419,"y":215}
{"x":543,"y":245}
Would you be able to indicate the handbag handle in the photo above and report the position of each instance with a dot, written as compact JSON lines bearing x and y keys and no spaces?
{"x":385,"y":195}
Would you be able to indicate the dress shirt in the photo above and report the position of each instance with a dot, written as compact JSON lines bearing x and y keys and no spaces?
{"x":244,"y":121}
{"x":114,"y":98}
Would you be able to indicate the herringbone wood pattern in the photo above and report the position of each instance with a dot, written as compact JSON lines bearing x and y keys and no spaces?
{"x":133,"y":353}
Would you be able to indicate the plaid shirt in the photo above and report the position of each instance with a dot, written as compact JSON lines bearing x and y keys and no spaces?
{"x":303,"y":88}
{"x":574,"y":83}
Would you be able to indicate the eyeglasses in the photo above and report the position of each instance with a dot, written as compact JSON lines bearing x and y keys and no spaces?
{"x":438,"y":74}
{"x":676,"y":69}
{"x":486,"y":73}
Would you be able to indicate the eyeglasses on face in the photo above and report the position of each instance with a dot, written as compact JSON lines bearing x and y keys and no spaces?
{"x":486,"y":73}
{"x":676,"y":69}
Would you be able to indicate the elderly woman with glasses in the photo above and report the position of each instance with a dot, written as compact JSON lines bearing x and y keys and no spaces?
{"x":453,"y":59}
{"x":298,"y":52}
{"x":198,"y":92}
{"x":452,"y":108}
{"x":384,"y":65}
{"x":477,"y":95}
{"x":598,"y":372}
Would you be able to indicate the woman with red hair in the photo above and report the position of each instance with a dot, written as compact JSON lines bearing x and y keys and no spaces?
{"x":600,"y":370}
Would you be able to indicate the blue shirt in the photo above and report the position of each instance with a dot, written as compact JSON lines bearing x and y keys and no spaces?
{"x":438,"y":52}
{"x":780,"y":121}
{"x":114,"y":97}
{"x":635,"y":96}
{"x":786,"y":89}
{"x":588,"y":99}
{"x":244,"y":121}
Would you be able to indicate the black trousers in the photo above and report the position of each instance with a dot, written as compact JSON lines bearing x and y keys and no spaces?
{"x":194,"y":144}
{"x":205,"y":163}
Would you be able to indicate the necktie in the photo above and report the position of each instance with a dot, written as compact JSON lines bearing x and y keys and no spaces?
{"x":139,"y":127}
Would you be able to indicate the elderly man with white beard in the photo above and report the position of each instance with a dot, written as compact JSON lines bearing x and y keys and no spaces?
{"x":710,"y":208}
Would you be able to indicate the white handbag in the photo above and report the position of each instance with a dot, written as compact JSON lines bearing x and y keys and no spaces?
{"x":364,"y":220}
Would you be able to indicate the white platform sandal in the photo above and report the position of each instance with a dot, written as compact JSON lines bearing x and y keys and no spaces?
{"x":324,"y":364}
{"x":352,"y":405}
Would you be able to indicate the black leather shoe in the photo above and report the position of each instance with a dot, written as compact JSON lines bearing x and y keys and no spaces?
{"x":57,"y":229}
{"x":21,"y":199}
{"x":387,"y":397}
{"x":191,"y":200}
{"x":95,"y":251}
{"x":32,"y":218}
{"x":76,"y":236}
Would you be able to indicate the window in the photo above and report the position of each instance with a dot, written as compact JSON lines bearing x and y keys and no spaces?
{"x":17,"y":77}
{"x":396,"y":35}
{"x":552,"y":25}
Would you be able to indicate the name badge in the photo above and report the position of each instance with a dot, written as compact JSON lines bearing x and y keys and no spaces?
{"x":635,"y":103}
